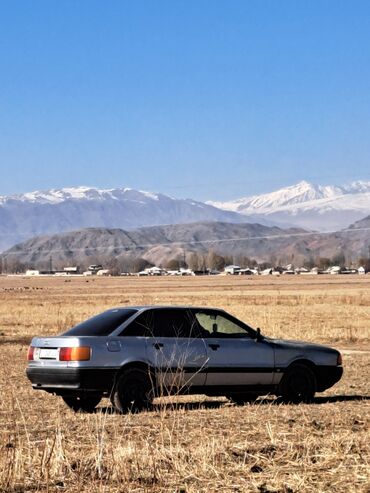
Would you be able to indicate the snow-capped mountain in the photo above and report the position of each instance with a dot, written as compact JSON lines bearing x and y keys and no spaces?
{"x":59,"y":210}
{"x":56,"y":196}
{"x":322,"y":208}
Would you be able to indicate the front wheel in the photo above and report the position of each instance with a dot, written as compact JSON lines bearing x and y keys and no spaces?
{"x":134,"y":391}
{"x":86,"y":403}
{"x":298,"y":384}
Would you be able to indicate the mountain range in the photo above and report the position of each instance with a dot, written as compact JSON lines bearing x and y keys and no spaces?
{"x":304,"y":205}
{"x":55,"y":211}
{"x":316,"y":207}
{"x":156,"y":244}
{"x":159,"y":244}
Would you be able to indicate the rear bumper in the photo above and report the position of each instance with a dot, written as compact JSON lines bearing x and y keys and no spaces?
{"x":327,"y":376}
{"x":83,"y":379}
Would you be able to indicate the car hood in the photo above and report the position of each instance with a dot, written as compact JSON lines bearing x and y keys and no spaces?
{"x":299,"y":345}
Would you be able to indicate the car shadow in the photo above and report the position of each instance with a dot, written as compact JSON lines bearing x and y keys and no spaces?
{"x":173,"y":406}
{"x":189,"y":406}
{"x":317,"y":400}
{"x":340,"y":398}
{"x":216,"y":404}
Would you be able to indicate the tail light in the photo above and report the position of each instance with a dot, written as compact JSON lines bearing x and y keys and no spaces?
{"x":339,"y":360}
{"x":30,"y":352}
{"x":82,"y":353}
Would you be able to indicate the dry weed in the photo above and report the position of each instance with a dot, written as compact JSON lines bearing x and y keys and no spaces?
{"x":188,"y":444}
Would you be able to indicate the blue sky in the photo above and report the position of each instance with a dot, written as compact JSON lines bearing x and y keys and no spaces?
{"x":204,"y":99}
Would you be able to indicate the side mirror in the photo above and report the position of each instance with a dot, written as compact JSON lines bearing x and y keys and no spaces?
{"x":259,"y":336}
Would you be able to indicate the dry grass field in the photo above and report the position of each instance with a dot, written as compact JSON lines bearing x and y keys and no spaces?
{"x":189,"y":444}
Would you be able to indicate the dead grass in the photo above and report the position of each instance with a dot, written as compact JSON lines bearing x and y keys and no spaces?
{"x":188,"y":444}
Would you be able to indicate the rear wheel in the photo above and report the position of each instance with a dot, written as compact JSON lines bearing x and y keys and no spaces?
{"x":298,"y":384}
{"x":84,"y":403}
{"x":134,"y":391}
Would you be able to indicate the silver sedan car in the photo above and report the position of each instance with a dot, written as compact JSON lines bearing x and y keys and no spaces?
{"x":133,"y":354}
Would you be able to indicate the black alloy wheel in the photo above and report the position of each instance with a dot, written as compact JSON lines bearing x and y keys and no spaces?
{"x":298,"y":384}
{"x":134,"y":391}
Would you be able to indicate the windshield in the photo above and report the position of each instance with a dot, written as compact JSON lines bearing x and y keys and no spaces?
{"x":103,"y":324}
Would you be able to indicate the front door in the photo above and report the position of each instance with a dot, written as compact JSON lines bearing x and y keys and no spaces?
{"x":235,"y":357}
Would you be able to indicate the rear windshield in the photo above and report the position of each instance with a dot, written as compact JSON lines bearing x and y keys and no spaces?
{"x":103,"y":324}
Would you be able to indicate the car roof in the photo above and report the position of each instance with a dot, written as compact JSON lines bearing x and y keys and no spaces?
{"x":151,"y":307}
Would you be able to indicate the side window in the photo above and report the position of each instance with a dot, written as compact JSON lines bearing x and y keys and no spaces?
{"x":213,"y":324}
{"x":137,"y":328}
{"x":164,"y":322}
{"x":172,"y":323}
{"x":103,"y":324}
{"x":206,"y":323}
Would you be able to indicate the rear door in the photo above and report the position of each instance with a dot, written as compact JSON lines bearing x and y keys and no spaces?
{"x":174,"y":348}
{"x":235,"y":358}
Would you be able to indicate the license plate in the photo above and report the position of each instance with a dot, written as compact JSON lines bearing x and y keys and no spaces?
{"x":47,"y":353}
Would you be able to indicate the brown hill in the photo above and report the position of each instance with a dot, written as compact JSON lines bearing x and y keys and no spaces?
{"x":161,"y":243}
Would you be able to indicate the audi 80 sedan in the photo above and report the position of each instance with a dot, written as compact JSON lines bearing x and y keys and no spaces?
{"x":134,"y":354}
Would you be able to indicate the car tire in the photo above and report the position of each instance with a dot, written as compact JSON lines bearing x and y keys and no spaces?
{"x":133,"y":392}
{"x":241,"y":399}
{"x":298,"y":384}
{"x":85,"y":404}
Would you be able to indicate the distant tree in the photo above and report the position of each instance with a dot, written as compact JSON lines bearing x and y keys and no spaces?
{"x":228,"y":259}
{"x":364,"y":262}
{"x":126,"y":263}
{"x":281,"y":260}
{"x":309,"y":263}
{"x":113,"y":265}
{"x":264,"y":265}
{"x":194,"y":261}
{"x":244,"y":261}
{"x":15,"y":266}
{"x":140,"y":264}
{"x":323,"y":263}
{"x":272,"y":260}
{"x":59,"y":264}
{"x":214,"y":261}
{"x":173,"y":264}
{"x":339,"y":259}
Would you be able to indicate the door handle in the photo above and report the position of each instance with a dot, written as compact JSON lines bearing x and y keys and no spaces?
{"x":157,"y":345}
{"x":214,"y":346}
